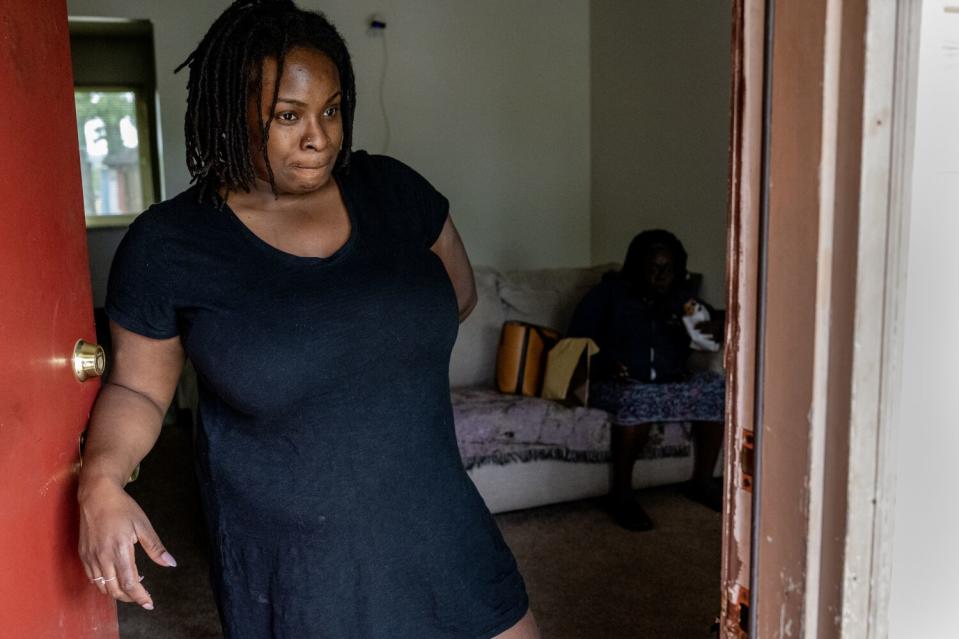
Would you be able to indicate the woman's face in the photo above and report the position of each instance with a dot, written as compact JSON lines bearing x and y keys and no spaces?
{"x":307,"y":131}
{"x":659,"y":270}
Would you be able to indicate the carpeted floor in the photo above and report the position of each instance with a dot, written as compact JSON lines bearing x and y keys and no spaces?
{"x":587,"y":578}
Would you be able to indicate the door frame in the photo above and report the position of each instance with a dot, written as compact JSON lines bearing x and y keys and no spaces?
{"x":889,"y":114}
{"x":742,"y":304}
{"x":823,"y":94}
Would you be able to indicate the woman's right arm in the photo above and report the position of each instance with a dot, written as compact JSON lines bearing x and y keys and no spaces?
{"x":124,"y":426}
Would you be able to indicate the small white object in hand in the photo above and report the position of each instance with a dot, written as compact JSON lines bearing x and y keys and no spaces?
{"x":693,"y":314}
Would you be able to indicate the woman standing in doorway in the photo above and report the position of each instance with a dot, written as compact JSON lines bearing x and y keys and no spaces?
{"x":316,"y":290}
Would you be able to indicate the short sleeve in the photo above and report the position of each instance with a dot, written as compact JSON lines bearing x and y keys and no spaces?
{"x":437,"y":210}
{"x":429,"y":207}
{"x":138,"y":288}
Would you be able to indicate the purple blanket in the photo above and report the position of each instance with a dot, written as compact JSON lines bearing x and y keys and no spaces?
{"x":495,"y":428}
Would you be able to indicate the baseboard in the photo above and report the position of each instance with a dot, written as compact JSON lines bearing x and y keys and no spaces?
{"x":537,"y":483}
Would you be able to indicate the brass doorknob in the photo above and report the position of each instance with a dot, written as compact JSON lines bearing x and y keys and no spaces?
{"x":89,"y":360}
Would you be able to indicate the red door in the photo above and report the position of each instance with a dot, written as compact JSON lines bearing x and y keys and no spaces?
{"x":45,"y":307}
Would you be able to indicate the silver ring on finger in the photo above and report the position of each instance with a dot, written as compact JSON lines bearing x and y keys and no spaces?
{"x":106,"y":580}
{"x":97,"y":580}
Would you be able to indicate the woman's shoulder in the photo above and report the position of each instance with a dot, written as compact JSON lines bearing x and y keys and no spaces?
{"x":611,"y":284}
{"x":363,"y":161}
{"x":175,"y":211}
{"x":604,"y":293}
{"x":383,"y":169}
{"x":400,"y":199}
{"x":181,"y":216}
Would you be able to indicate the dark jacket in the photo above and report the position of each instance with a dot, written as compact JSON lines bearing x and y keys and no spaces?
{"x":644,"y":334}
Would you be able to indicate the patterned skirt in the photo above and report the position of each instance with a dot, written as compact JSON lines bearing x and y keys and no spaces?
{"x":699,"y":398}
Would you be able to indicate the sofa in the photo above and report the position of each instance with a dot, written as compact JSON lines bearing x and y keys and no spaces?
{"x":523,"y":452}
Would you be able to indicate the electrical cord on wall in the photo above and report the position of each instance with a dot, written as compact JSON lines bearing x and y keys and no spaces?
{"x":378,"y":26}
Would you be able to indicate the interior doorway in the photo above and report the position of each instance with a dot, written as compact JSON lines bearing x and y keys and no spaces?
{"x":699,"y":217}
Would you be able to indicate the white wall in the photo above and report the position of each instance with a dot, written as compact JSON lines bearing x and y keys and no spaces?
{"x":660,"y":128}
{"x":925,"y":559}
{"x":489,"y":100}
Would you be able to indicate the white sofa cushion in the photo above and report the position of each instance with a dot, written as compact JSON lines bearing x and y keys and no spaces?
{"x":473,"y":362}
{"x":548,"y":297}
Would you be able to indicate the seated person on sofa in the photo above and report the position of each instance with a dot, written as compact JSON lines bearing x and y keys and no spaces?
{"x":640,"y":375}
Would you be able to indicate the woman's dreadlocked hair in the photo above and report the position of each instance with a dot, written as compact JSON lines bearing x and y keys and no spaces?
{"x":226,"y":69}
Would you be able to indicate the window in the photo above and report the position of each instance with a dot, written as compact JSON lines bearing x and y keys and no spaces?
{"x":115,"y":167}
{"x":115,"y":99}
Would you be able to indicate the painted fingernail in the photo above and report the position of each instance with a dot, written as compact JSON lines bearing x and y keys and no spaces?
{"x":148,"y":606}
{"x":168,"y":558}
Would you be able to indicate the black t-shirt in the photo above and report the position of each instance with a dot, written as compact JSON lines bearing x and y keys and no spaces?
{"x":646,"y":335}
{"x":325,"y":450}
